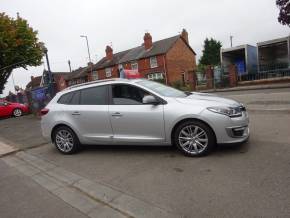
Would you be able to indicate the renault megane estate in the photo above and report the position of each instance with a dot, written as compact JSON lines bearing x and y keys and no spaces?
{"x":142,"y":112}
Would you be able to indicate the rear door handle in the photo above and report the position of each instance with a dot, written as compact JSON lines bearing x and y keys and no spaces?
{"x":117,"y":114}
{"x":76,"y":113}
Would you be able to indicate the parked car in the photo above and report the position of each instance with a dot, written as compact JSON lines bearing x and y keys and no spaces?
{"x":12,"y":109}
{"x":142,"y":112}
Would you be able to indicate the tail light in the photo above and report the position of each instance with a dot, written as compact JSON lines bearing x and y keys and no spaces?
{"x":44,"y":111}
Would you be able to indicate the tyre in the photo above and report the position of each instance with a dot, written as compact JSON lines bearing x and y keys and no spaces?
{"x":194,"y":138}
{"x":66,"y":141}
{"x":17,"y":112}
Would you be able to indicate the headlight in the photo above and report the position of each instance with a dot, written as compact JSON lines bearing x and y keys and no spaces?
{"x":229,"y":111}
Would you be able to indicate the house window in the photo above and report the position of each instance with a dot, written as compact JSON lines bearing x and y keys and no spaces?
{"x":153,"y":62}
{"x":155,"y":76}
{"x":134,"y":66}
{"x":95,"y":75}
{"x":108,"y":72}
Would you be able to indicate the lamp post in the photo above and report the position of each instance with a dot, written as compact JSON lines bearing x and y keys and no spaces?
{"x":50,"y":79}
{"x":90,"y":64}
{"x":83,"y":36}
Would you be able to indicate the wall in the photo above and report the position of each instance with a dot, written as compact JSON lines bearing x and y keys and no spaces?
{"x":180,"y":59}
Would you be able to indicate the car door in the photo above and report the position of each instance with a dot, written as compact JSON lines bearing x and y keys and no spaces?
{"x":132,"y":121}
{"x":88,"y":111}
{"x":4,"y":109}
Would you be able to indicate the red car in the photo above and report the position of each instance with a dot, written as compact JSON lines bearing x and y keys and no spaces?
{"x":12,"y":109}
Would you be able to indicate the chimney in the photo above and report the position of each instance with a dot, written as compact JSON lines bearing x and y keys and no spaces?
{"x":109,"y":53}
{"x":32,"y":77}
{"x":147,"y":41}
{"x":184,"y":35}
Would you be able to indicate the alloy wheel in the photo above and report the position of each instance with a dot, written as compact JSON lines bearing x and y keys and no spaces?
{"x":17,"y":113}
{"x":64,"y":141}
{"x":193,"y":139}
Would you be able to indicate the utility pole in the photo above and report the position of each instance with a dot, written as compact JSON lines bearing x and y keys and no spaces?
{"x":13,"y":81}
{"x":69,"y":65}
{"x":231,"y":38}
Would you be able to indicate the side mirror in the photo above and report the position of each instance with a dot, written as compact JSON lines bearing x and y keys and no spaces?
{"x":149,"y":99}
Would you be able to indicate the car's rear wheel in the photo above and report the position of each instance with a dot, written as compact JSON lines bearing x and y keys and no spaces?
{"x":17,"y":112}
{"x":66,"y":140}
{"x":194,"y":138}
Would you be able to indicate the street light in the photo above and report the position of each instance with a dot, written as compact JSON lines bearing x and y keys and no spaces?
{"x":83,"y":36}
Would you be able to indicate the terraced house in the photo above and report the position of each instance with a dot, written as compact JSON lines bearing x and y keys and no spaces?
{"x":168,"y":59}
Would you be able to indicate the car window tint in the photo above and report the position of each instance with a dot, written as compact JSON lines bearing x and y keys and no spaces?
{"x":94,"y":96}
{"x":64,"y":99}
{"x":127,"y":94}
{"x":75,"y":100}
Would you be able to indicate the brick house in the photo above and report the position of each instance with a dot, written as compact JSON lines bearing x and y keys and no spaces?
{"x":169,"y":59}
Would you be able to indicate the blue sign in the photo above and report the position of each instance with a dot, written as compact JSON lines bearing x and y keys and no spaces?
{"x":39,"y":94}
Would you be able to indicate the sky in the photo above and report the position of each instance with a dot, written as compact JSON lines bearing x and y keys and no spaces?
{"x":122,"y":24}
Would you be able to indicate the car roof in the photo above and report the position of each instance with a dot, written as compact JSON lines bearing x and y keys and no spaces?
{"x":98,"y":83}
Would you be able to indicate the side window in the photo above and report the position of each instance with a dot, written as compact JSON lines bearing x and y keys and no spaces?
{"x":75,"y":100}
{"x":127,"y":95}
{"x":64,"y":99}
{"x":94,"y":96}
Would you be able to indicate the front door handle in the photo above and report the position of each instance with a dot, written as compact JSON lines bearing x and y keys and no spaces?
{"x":117,"y":114}
{"x":76,"y":113}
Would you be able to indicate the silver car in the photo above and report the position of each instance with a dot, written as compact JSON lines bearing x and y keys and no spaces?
{"x":142,"y":112}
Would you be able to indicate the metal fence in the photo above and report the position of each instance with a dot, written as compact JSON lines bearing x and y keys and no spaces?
{"x":267,"y":72}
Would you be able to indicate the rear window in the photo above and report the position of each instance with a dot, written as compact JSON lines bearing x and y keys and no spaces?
{"x":94,"y":96}
{"x":75,"y":100}
{"x":64,"y":99}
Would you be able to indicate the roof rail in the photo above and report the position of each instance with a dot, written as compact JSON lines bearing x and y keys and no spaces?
{"x":93,"y":82}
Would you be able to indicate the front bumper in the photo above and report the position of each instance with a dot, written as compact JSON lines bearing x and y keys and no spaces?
{"x":228,"y":130}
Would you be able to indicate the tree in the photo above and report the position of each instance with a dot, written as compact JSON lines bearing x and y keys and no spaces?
{"x":284,"y":14}
{"x":19,"y":46}
{"x":210,"y":52}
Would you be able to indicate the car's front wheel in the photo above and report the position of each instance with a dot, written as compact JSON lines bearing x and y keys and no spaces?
{"x":194,"y":138}
{"x":17,"y":112}
{"x":66,"y":140}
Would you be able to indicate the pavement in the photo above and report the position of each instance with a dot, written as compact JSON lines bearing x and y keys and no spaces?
{"x":22,"y":197}
{"x":251,"y":87}
{"x":249,"y":180}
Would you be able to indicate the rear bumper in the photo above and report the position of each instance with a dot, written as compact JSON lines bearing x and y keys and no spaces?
{"x":45,"y":130}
